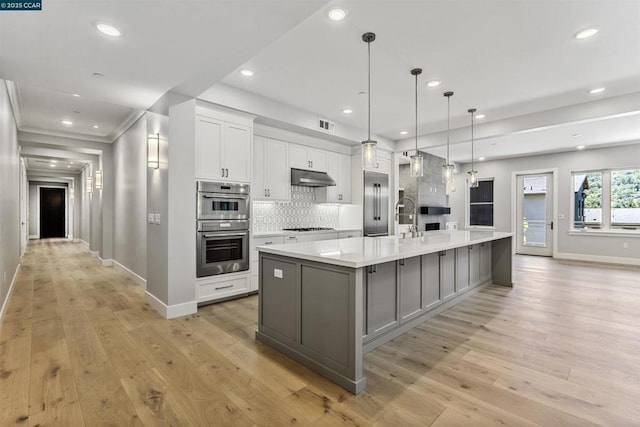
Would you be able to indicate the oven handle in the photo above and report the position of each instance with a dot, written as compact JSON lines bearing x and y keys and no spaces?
{"x":243,"y":234}
{"x":225,"y":196}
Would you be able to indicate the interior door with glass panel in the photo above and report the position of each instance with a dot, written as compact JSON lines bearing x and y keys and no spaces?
{"x":534,"y":210}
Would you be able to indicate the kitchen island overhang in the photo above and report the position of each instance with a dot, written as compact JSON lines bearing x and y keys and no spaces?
{"x":325,"y":304}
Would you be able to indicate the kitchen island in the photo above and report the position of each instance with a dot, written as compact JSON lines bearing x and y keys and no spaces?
{"x":327,"y":303}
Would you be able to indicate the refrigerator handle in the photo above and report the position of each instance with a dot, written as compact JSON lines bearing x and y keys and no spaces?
{"x":379,"y":202}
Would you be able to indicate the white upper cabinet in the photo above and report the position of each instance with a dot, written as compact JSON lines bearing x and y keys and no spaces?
{"x":383,"y":164}
{"x":301,"y":157}
{"x":338,"y":168}
{"x":223,"y":150}
{"x":271,"y":172}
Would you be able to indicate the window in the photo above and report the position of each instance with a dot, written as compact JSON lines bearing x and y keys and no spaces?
{"x":481,"y":204}
{"x":625,"y":197}
{"x":606,"y":199}
{"x":587,"y":199}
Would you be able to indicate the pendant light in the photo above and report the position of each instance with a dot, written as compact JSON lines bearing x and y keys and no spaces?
{"x":473,"y":174}
{"x":448,"y":171}
{"x":369,"y":155}
{"x":417,"y":159}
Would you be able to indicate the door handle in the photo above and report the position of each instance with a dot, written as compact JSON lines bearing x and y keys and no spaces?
{"x":222,"y":173}
{"x":551,"y":225}
{"x":227,"y":170}
{"x":402,"y":262}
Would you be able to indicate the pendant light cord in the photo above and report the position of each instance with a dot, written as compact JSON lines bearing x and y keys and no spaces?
{"x":416,"y":74}
{"x":448,"y":124}
{"x":369,"y":92}
{"x":472,"y":112}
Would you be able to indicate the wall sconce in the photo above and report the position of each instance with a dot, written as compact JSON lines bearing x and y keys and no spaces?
{"x":98,"y":180}
{"x":153,"y":150}
{"x":89,"y":184}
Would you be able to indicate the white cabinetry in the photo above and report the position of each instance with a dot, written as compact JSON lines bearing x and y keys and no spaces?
{"x":223,"y":150}
{"x":383,"y":165}
{"x":222,"y":286}
{"x":253,"y":255}
{"x":338,"y":168}
{"x":271,"y":173}
{"x":301,"y":157}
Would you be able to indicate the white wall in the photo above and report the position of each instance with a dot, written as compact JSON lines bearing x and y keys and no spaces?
{"x":130,"y":199}
{"x":9,"y":198}
{"x":582,"y":246}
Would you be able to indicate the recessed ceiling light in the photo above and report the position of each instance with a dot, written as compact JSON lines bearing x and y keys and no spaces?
{"x":67,"y":122}
{"x":575,"y":135}
{"x":480,"y":116}
{"x":580,"y":147}
{"x":337,"y":14}
{"x":586,"y":33}
{"x":68,"y":166}
{"x":76,"y":95}
{"x":347,"y":111}
{"x":108,"y":30}
{"x":54,"y":161}
{"x":434,"y":83}
{"x":70,"y":163}
{"x":404,"y":132}
{"x":247,"y":73}
{"x":481,"y":158}
{"x":597,"y":90}
{"x":96,"y":126}
{"x":52,"y":165}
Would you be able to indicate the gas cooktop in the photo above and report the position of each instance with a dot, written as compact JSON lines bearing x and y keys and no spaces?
{"x":308,"y":229}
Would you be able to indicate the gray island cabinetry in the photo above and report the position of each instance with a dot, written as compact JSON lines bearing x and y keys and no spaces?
{"x":327,"y":303}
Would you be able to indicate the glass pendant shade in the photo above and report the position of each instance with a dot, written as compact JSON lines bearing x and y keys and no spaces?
{"x":369,"y":155}
{"x":417,"y":166}
{"x":473,"y":179}
{"x":448,"y":177}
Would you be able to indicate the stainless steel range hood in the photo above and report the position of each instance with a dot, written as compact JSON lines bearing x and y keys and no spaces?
{"x":306,"y":178}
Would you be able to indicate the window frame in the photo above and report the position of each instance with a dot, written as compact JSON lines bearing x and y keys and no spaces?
{"x":468,"y":206}
{"x":606,"y":225}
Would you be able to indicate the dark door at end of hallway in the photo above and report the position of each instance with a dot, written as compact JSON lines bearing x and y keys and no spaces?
{"x":52,"y":212}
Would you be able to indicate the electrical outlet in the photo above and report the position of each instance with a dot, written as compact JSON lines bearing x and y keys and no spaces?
{"x":277,"y":273}
{"x":625,"y":245}
{"x":150,"y":219}
{"x":156,"y":218}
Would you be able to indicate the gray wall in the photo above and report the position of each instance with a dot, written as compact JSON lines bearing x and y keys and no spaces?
{"x":85,"y":204}
{"x":566,"y":163}
{"x":427,"y":190}
{"x":9,"y":196}
{"x":130,"y":199}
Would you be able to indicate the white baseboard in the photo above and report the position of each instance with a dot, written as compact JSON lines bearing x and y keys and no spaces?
{"x":171,"y":311}
{"x":95,"y":254}
{"x":76,"y":240}
{"x":84,"y":243}
{"x":5,"y":303}
{"x":33,"y":236}
{"x":106,"y":262}
{"x":136,"y":278}
{"x":597,"y":258}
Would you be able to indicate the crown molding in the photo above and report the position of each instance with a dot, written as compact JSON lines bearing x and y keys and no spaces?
{"x":130,"y":121}
{"x":16,"y":101}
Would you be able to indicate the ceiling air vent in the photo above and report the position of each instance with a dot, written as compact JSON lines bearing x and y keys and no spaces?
{"x":326,"y":125}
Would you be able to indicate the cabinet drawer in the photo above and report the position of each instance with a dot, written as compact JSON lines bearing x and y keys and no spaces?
{"x":263,"y":241}
{"x":223,"y":288}
{"x":349,"y":234}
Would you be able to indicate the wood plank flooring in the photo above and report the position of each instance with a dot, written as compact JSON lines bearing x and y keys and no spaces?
{"x":79,"y":346}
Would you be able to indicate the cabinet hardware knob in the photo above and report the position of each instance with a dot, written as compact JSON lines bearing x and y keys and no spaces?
{"x":222,"y":173}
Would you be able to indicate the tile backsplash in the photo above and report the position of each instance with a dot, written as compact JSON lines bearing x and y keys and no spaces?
{"x":302,"y":211}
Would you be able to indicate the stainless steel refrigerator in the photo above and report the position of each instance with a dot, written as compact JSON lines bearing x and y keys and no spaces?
{"x":376,"y":204}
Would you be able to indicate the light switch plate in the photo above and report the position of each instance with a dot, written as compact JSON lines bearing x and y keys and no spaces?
{"x":277,"y":273}
{"x":156,"y":218}
{"x":150,"y":219}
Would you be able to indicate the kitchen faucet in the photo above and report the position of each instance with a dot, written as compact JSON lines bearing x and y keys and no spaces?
{"x":413,"y":228}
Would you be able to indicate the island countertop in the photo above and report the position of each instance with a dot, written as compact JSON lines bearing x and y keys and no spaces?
{"x":364,"y":251}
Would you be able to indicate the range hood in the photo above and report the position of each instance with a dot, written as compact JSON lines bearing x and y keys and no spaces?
{"x":306,"y":178}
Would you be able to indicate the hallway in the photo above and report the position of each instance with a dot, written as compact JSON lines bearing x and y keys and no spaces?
{"x":79,"y":346}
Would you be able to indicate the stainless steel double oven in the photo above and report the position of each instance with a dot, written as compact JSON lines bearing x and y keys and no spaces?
{"x":223,"y":228}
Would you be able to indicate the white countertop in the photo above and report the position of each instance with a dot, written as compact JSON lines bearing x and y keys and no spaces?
{"x":296,"y":233}
{"x":362,"y":251}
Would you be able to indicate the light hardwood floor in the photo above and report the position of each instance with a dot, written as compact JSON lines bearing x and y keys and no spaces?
{"x":79,"y":346}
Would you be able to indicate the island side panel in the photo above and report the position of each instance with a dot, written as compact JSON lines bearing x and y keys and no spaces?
{"x":502,"y":261}
{"x":326,"y":313}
